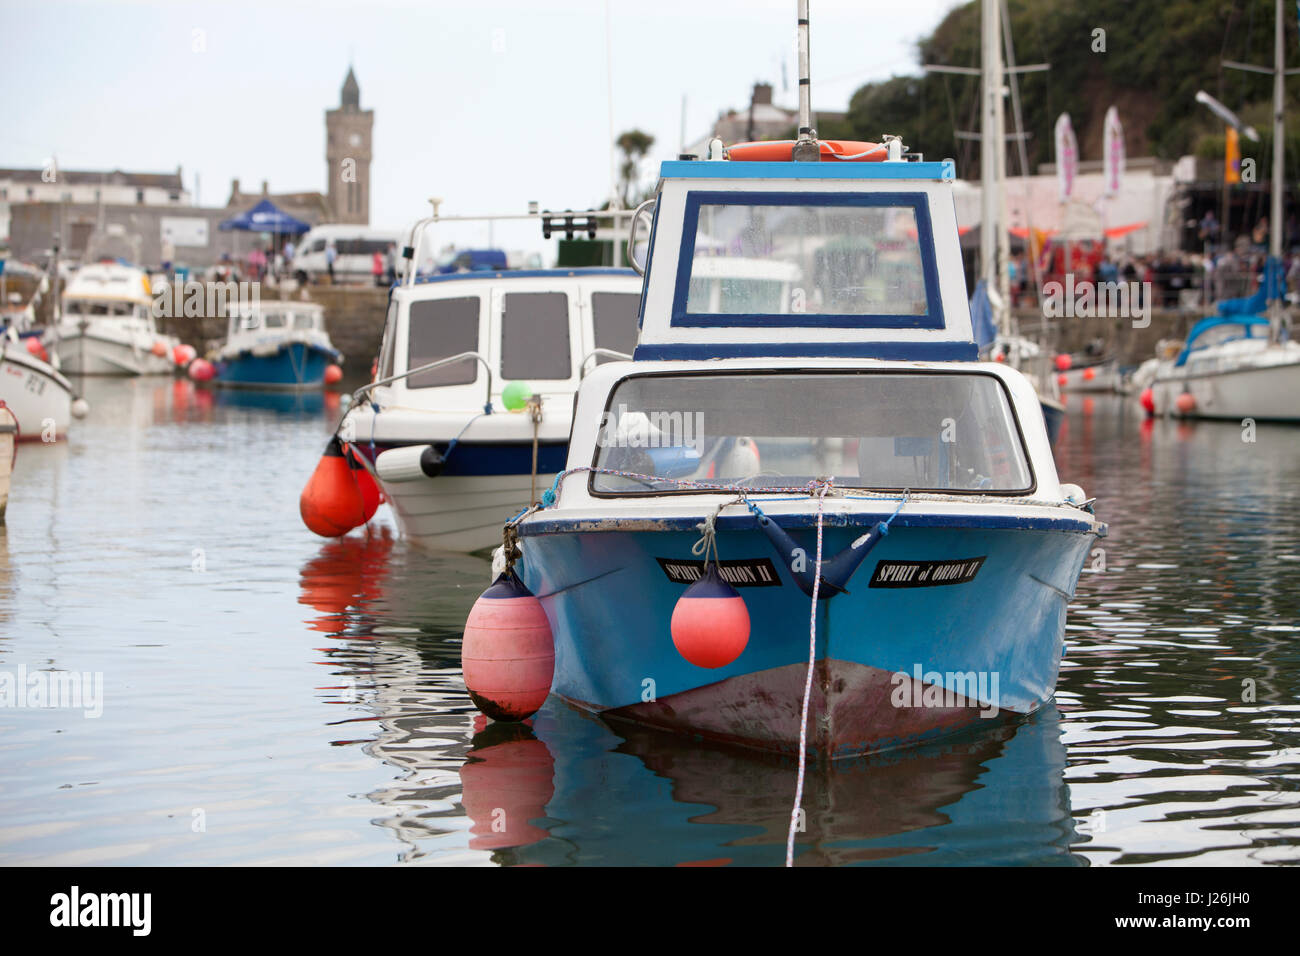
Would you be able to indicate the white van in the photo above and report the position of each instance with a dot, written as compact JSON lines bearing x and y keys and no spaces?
{"x":354,"y":248}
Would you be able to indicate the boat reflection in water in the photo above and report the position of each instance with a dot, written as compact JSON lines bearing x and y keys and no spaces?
{"x":280,"y":401}
{"x":640,"y":796}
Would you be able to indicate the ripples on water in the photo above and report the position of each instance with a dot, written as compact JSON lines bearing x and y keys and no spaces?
{"x":272,"y":698}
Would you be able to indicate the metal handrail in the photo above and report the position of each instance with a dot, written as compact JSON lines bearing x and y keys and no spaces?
{"x":610,"y":353}
{"x":487,"y":406}
{"x":631,"y":231}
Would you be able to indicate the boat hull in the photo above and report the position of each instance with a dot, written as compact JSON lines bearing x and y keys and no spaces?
{"x":1268,"y":392}
{"x":86,"y":353}
{"x":294,"y":365}
{"x":1102,"y":377}
{"x":37,"y":395}
{"x":993,"y":643}
{"x":460,"y":513}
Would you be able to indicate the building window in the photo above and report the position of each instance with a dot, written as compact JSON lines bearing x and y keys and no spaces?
{"x":139,"y":196}
{"x":174,"y":197}
{"x":30,"y":192}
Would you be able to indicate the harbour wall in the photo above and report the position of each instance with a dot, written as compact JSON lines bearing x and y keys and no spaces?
{"x":354,"y":316}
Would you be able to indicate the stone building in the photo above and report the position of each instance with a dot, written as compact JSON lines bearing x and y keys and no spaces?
{"x":347,"y":156}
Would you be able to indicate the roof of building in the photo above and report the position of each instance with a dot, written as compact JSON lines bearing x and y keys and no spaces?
{"x":115,"y":177}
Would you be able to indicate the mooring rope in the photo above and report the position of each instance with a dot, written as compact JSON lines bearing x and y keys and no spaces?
{"x":823,"y":487}
{"x":818,"y":488}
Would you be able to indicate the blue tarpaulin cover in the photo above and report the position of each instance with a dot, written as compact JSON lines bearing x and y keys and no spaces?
{"x":266,"y":216}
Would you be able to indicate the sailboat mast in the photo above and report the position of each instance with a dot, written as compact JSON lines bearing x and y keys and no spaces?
{"x":1279,"y":75}
{"x":994,"y":246}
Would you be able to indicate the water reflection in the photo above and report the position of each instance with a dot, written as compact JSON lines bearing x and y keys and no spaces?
{"x":1151,"y":756}
{"x":307,"y":696}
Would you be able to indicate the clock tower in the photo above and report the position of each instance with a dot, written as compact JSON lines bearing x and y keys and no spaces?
{"x":347,"y":156}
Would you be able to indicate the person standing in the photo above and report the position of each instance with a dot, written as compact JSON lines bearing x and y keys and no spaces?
{"x":377,"y":267}
{"x":329,"y":260}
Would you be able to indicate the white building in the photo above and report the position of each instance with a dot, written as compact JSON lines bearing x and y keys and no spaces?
{"x":1146,"y":189}
{"x":111,"y":188}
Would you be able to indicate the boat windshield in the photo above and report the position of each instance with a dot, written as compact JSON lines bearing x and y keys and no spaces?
{"x":755,"y":257}
{"x":927,"y":431}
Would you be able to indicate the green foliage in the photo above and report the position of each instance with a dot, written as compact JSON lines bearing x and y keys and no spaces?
{"x":1157,"y":54}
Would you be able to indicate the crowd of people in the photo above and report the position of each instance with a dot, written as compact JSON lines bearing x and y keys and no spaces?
{"x":1190,"y":280}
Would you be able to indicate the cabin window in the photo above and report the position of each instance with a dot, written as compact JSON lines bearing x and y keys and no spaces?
{"x":273,"y":320}
{"x":438,"y":329}
{"x":807,"y":259}
{"x":535,"y":336}
{"x":303,"y":320}
{"x":613,"y":318}
{"x":947,"y":432}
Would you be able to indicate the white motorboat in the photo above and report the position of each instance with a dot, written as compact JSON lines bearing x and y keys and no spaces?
{"x":41,"y":399}
{"x":468,"y":419}
{"x":1230,"y":368}
{"x":108,"y":327}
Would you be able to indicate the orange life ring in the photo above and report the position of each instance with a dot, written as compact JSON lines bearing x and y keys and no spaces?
{"x":779,"y":150}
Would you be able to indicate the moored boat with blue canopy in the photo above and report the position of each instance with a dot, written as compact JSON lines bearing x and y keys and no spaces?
{"x":804,"y":517}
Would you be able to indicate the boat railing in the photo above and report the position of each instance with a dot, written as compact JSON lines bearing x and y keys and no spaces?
{"x":600,"y":353}
{"x":430,"y":366}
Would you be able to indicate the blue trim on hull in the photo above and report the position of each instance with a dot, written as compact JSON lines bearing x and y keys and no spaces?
{"x":484,"y":459}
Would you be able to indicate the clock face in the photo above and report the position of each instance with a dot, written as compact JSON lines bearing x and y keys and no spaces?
{"x":354,"y":139}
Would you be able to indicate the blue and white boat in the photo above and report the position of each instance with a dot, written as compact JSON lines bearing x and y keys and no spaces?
{"x":468,"y":417}
{"x":816,"y":432}
{"x":276,"y":344}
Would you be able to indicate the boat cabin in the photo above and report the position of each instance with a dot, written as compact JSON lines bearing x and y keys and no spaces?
{"x":807,"y":320}
{"x":110,"y":292}
{"x":272,"y":318}
{"x":546,"y":328}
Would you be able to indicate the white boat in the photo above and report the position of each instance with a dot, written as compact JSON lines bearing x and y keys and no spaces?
{"x":1230,"y":368}
{"x":1240,"y":364}
{"x":107,"y":326}
{"x":452,"y":460}
{"x":1089,"y":374}
{"x":40,"y":397}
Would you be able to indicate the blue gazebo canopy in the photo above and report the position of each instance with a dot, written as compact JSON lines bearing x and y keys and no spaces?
{"x":266,"y":216}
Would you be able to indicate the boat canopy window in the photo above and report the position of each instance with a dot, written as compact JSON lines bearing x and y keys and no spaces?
{"x":273,"y":320}
{"x":437,"y":329}
{"x":613,"y":317}
{"x":115,"y":309}
{"x":927,"y":431}
{"x":304,"y":320}
{"x":535,"y":336}
{"x":818,"y":254}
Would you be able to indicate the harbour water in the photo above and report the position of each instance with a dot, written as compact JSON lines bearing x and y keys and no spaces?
{"x":269,"y":697}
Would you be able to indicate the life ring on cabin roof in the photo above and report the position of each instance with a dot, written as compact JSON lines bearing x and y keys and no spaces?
{"x":780,"y":150}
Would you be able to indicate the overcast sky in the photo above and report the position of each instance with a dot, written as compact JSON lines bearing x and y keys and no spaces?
{"x":486,"y":104}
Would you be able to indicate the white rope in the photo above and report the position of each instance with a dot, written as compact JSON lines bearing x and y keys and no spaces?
{"x":807,"y":687}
